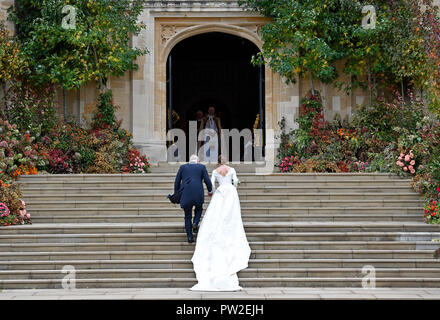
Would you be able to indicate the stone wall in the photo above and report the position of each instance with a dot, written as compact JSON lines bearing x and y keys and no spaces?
{"x":141,"y":94}
{"x":4,"y":5}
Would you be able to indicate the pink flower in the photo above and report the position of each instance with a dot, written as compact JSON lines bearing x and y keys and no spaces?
{"x":410,"y":168}
{"x":413,"y":162}
{"x":401,"y":155}
{"x":407,"y":158}
{"x":405,"y":169}
{"x":413,"y":171}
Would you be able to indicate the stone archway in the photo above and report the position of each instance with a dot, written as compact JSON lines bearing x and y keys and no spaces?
{"x":170,"y":31}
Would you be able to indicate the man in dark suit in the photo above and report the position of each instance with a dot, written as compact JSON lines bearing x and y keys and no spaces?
{"x":190,"y":176}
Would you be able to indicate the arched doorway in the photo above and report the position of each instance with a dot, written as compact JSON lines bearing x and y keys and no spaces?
{"x":215,"y":69}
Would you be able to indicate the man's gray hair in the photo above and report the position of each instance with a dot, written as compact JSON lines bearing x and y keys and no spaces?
{"x":194,"y":159}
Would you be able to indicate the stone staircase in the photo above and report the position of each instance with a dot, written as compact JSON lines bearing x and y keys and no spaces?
{"x":305,"y":230}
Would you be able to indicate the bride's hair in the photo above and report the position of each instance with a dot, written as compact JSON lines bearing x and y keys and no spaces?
{"x":222,"y":160}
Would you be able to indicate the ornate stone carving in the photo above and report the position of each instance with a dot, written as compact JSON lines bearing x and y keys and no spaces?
{"x":192,"y":4}
{"x":168,"y":31}
{"x":257,"y":29}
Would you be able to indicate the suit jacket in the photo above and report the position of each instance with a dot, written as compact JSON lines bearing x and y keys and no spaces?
{"x":217,"y":123}
{"x":190,"y":176}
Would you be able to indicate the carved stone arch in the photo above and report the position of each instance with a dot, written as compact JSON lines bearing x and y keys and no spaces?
{"x":170,"y":32}
{"x":206,"y":28}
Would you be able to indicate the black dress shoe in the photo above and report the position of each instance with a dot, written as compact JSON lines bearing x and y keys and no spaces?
{"x":195,"y":228}
{"x":190,"y":239}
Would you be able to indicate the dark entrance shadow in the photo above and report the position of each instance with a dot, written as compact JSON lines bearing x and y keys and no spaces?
{"x":214,"y":69}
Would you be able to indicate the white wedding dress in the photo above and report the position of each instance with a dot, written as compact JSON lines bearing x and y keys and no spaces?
{"x":222,"y":249}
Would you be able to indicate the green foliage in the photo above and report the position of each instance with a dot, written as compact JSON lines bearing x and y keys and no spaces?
{"x":98,"y":46}
{"x":17,"y":155}
{"x":381,"y":162}
{"x":104,"y":116}
{"x":12,"y":61}
{"x":303,"y":35}
{"x":30,"y":109}
{"x":310,"y":37}
{"x":285,"y":137}
{"x":399,"y":137}
{"x":9,"y":196}
{"x":381,"y":118}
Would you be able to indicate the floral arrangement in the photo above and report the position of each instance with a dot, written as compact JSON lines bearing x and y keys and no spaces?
{"x":287,"y":164}
{"x":24,"y":216}
{"x":25,"y":170}
{"x":17,"y":153}
{"x":4,"y":210}
{"x":6,"y":218}
{"x":10,"y":195}
{"x":347,"y":134}
{"x":407,"y":162}
{"x":432,"y":211}
{"x":437,"y":253}
{"x":41,"y":143}
{"x":58,"y":162}
{"x":357,"y":166}
{"x":136,"y":163}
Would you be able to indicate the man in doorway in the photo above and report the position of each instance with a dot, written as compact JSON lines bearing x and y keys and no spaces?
{"x":199,"y":118}
{"x":212,"y":124}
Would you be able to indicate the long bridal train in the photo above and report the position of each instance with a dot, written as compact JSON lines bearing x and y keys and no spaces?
{"x":222,"y":249}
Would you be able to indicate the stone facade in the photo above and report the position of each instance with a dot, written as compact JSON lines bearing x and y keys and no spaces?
{"x":168,"y":23}
{"x":141,"y":94}
{"x":4,"y":5}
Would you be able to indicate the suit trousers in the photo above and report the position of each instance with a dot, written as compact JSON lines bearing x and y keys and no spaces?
{"x":188,"y":217}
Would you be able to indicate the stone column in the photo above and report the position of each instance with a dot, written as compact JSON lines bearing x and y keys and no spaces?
{"x":4,"y":5}
{"x":145,"y":135}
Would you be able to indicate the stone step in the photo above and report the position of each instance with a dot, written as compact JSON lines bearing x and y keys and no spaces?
{"x":305,"y":230}
{"x":239,"y":167}
{"x":169,"y":184}
{"x":246,"y":211}
{"x":242,"y":190}
{"x":245,"y":203}
{"x":5,"y":257}
{"x":251,"y":227}
{"x":41,"y":218}
{"x":187,"y":264}
{"x":251,"y":236}
{"x":245,"y":274}
{"x":246,"y":282}
{"x":242,"y":176}
{"x":184,"y":246}
{"x":261,"y":196}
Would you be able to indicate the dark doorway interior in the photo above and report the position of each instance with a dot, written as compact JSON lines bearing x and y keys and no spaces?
{"x":215,"y":69}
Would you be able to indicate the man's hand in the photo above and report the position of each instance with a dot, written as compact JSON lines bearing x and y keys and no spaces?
{"x":210,"y":194}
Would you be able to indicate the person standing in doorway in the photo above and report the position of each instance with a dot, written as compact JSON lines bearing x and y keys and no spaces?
{"x":212,"y":124}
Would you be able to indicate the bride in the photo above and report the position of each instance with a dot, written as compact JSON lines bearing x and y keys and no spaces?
{"x":222,"y":249}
